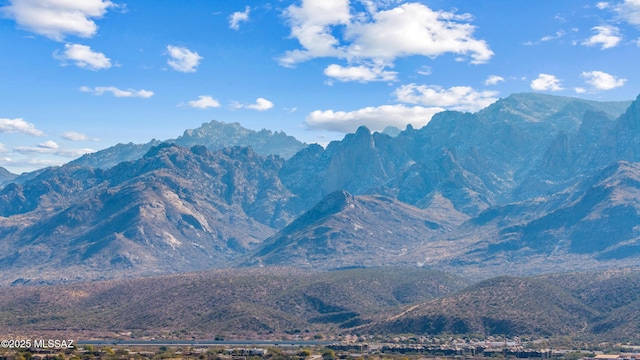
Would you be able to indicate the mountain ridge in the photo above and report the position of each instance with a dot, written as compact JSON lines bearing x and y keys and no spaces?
{"x":6,"y":176}
{"x":215,"y":135}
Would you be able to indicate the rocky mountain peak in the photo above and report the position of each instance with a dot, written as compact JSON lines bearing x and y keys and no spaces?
{"x":162,"y":149}
{"x":214,"y":128}
{"x":593,"y":122}
{"x":217,"y":135}
{"x":558,"y":158}
{"x":333,"y":203}
{"x":363,"y":132}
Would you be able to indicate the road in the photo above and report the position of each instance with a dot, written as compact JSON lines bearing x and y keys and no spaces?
{"x":203,"y":342}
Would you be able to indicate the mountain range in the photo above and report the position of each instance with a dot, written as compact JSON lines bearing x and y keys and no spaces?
{"x":532,"y":184}
{"x":173,"y":210}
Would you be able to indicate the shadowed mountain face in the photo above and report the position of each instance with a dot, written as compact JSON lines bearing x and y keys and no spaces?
{"x":345,"y":231}
{"x":596,"y":216}
{"x":173,"y":210}
{"x":531,"y":184}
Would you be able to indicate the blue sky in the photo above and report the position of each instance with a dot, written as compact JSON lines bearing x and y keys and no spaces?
{"x":82,"y":75}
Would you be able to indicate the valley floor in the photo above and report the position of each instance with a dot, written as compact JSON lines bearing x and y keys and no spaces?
{"x":402,"y":348}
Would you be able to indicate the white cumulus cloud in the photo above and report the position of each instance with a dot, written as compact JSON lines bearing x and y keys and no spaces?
{"x":493,"y":80}
{"x":182,"y":59}
{"x":460,"y":98}
{"x":359,"y":73}
{"x":83,"y":57}
{"x":204,"y":102}
{"x":606,"y":36}
{"x":18,"y":126}
{"x":261,"y":104}
{"x":629,"y":10}
{"x":237,"y":17}
{"x":546,"y":82}
{"x":74,"y":136}
{"x":415,"y":29}
{"x":49,"y":144}
{"x":557,"y":35}
{"x":424,"y":70}
{"x":56,"y":19}
{"x":27,"y":164}
{"x":373,"y":5}
{"x":52,"y":149}
{"x":601,"y":80}
{"x":374,"y":118}
{"x":101,"y":90}
{"x":326,"y":28}
{"x":311,"y":23}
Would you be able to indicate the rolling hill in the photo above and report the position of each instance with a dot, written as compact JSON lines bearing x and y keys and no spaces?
{"x":578,"y":305}
{"x":240,"y":302}
{"x":389,"y":301}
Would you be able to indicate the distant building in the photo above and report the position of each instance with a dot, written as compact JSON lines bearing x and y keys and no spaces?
{"x":246,"y":352}
{"x":348,"y":347}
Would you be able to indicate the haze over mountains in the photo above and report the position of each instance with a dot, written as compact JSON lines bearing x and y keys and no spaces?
{"x":214,"y":135}
{"x":532,"y":184}
{"x":6,"y":176}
